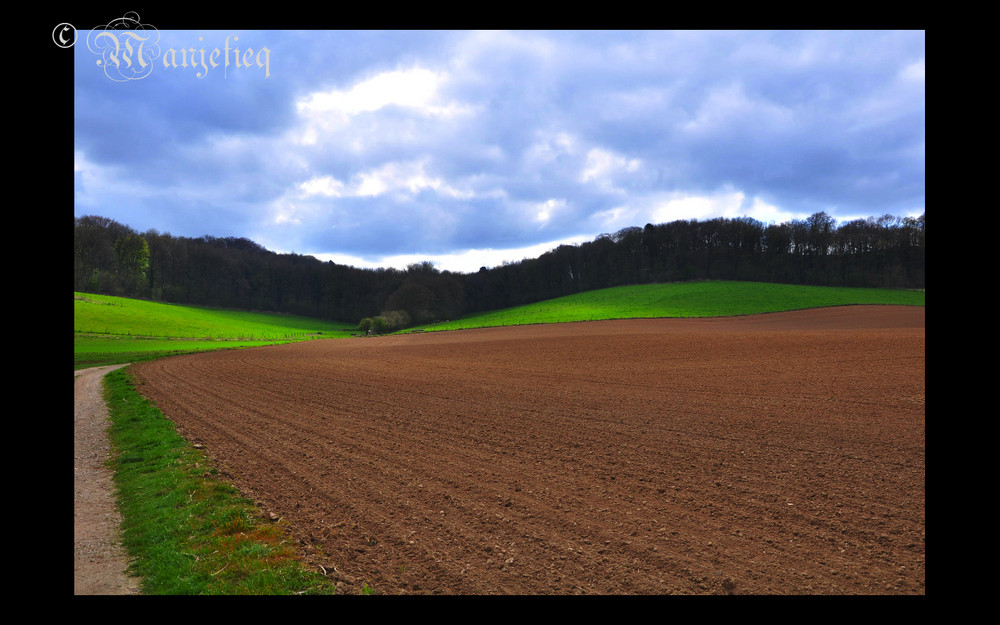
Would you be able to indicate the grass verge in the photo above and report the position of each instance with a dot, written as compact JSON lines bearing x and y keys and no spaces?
{"x":187,"y":531}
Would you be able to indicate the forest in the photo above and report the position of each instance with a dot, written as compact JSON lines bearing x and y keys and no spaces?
{"x":114,"y":259}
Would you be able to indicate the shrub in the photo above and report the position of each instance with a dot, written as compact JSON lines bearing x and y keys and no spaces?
{"x":378,"y":326}
{"x":396,"y":319}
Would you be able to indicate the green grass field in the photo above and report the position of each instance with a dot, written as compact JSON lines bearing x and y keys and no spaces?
{"x":113,"y":330}
{"x":685,"y":299}
{"x":189,"y":532}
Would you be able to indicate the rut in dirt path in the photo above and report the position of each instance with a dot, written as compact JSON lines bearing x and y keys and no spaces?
{"x":99,"y":560}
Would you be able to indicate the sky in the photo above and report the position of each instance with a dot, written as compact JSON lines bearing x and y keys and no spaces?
{"x":472,"y":148}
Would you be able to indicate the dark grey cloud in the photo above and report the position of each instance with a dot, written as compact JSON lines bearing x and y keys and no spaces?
{"x":388,"y":143}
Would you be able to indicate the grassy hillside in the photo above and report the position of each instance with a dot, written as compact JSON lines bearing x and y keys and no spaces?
{"x":685,"y":299}
{"x":110,"y":330}
{"x":189,"y":532}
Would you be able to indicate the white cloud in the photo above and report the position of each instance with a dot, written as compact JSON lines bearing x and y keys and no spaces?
{"x":729,"y":106}
{"x":616,"y":218}
{"x":901,"y":96}
{"x":769,"y":213}
{"x":688,"y":206}
{"x":466,"y":261}
{"x":489,"y":49}
{"x":914,"y":72}
{"x":327,"y":186}
{"x":407,"y":178}
{"x":417,"y":89}
{"x":603,"y":165}
{"x":284,"y":212}
{"x":635,"y":103}
{"x":96,"y":185}
{"x":89,"y":176}
{"x":659,"y":208}
{"x":547,"y":208}
{"x":812,"y":119}
{"x":549,"y":147}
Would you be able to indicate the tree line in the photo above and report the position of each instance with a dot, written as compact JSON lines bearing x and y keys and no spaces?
{"x":229,"y":272}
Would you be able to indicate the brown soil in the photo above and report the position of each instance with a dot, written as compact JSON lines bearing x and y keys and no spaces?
{"x":771,"y":454}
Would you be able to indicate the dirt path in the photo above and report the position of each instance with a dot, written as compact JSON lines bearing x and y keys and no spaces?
{"x":768,"y":454}
{"x":99,"y":561}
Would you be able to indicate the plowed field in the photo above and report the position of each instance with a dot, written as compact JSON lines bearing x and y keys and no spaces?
{"x":770,"y":454}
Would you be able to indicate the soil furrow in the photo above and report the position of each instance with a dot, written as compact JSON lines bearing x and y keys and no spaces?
{"x":771,"y":454}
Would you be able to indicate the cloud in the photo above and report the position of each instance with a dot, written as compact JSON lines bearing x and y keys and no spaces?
{"x":390,"y":144}
{"x":415,"y":90}
{"x":682,"y":206}
{"x":465,"y":261}
{"x":727,"y":109}
{"x":603,"y":166}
